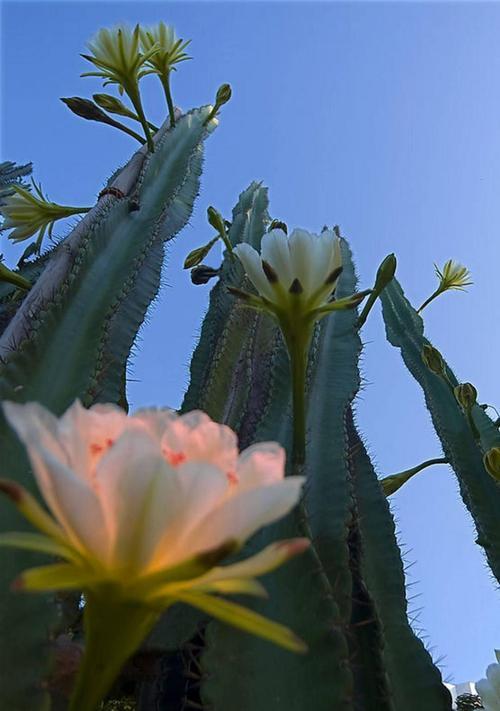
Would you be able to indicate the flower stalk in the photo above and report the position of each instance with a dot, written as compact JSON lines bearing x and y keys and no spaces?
{"x":114,"y":629}
{"x":451,"y":276}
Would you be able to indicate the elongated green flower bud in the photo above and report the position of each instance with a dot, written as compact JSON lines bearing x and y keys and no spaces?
{"x":198,"y":255}
{"x":466,"y":395}
{"x":492,"y":463}
{"x":433,"y":359}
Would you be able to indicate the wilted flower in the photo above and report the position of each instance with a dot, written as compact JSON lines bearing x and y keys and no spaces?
{"x":117,"y":56}
{"x":452,"y":276}
{"x":489,"y":688}
{"x":27,"y":213}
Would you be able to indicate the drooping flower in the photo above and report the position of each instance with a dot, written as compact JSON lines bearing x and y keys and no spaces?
{"x":296,"y":277}
{"x":28,"y":213}
{"x":143,"y":511}
{"x":489,"y":688}
{"x":168,"y":51}
{"x":452,"y":276}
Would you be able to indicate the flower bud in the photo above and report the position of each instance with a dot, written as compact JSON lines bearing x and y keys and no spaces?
{"x":433,"y":359}
{"x":113,"y":105}
{"x":216,"y":220}
{"x":466,"y":395}
{"x":385,"y":272}
{"x":492,"y":463}
{"x":223,"y":95}
{"x":86,"y":109}
{"x":203,"y":273}
{"x":198,"y":255}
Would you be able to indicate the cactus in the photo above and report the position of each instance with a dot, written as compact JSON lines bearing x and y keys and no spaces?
{"x":480,"y":493}
{"x":70,"y":335}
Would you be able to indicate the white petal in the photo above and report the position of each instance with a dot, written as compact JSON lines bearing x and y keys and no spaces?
{"x":260,"y":465}
{"x":252,"y":265}
{"x":276,"y":252}
{"x":493,"y":674}
{"x":303,"y":247}
{"x":490,"y":699}
{"x":241,"y":515}
{"x":156,"y":420}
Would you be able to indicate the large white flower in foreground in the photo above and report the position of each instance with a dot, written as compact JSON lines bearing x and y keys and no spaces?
{"x":148,"y":505}
{"x":489,"y":688}
{"x":296,"y":274}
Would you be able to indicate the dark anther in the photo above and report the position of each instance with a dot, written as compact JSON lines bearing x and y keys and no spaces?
{"x":271,"y":275}
{"x":296,"y":287}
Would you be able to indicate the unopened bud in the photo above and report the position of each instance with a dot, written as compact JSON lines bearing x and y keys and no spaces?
{"x":202,"y":274}
{"x":492,"y":463}
{"x":385,"y":272}
{"x":466,"y":395}
{"x":224,"y":93}
{"x":278,"y":225}
{"x":86,"y":109}
{"x":433,"y":359}
{"x":198,"y":255}
{"x":112,"y":104}
{"x":216,"y":220}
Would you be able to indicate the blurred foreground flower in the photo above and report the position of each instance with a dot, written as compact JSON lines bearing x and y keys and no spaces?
{"x":451,"y":276}
{"x":27,"y":213}
{"x":165,"y":51}
{"x":296,"y":278}
{"x":116,"y":55}
{"x":144,"y":509}
{"x":489,"y":688}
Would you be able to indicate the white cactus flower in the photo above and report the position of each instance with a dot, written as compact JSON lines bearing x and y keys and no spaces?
{"x":295,"y":276}
{"x":489,"y":688}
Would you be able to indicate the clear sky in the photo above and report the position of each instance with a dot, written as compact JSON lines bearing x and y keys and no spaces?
{"x":384,"y":118}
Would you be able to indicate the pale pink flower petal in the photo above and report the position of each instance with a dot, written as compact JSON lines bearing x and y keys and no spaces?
{"x":241,"y":515}
{"x":33,"y":422}
{"x":87,"y":434}
{"x":194,"y":437}
{"x":260,"y":465}
{"x":195,"y":489}
{"x":155,"y":420}
{"x":72,"y":501}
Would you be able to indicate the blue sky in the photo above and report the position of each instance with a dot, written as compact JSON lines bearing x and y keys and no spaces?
{"x":382,"y":117}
